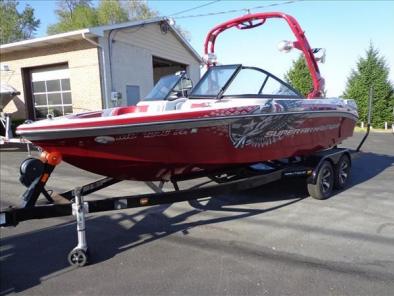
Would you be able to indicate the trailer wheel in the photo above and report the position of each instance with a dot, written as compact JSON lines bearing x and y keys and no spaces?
{"x":78,"y":257}
{"x":324,"y":182}
{"x":342,"y":172}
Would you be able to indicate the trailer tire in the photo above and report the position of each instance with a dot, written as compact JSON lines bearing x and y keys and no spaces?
{"x":342,"y":172}
{"x":324,"y":182}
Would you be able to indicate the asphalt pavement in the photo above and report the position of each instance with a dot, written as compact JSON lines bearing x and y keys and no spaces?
{"x":274,"y":240}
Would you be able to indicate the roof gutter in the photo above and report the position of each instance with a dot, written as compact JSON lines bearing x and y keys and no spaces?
{"x":101,"y":50}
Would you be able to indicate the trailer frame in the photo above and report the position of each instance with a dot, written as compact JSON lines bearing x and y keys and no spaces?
{"x":226,"y":181}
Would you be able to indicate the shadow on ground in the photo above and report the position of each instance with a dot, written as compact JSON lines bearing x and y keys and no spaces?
{"x":16,"y":147}
{"x":27,"y":258}
{"x":368,"y":165}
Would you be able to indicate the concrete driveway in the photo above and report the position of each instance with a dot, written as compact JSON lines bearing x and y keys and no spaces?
{"x":274,"y":240}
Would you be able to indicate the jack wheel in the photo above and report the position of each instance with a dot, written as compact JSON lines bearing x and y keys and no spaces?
{"x":30,"y":169}
{"x":78,"y":257}
{"x":324,"y":182}
{"x":342,"y":172}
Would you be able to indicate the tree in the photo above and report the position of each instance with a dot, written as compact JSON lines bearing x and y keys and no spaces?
{"x":299,"y":76}
{"x":73,"y":15}
{"x":372,"y":72}
{"x":111,"y":12}
{"x":139,"y":9}
{"x":70,"y":5}
{"x":78,"y":14}
{"x":15,"y":25}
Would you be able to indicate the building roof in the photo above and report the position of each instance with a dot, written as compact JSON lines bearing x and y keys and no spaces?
{"x":91,"y":32}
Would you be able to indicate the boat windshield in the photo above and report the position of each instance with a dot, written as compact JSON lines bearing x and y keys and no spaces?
{"x":214,"y":81}
{"x":163,"y":88}
{"x":238,"y":81}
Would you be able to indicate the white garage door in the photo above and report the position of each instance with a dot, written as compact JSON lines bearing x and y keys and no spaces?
{"x":51,"y":91}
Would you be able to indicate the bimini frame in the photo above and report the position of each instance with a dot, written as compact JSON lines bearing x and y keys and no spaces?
{"x":254,"y":20}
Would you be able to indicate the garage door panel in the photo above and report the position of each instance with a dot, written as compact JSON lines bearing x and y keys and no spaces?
{"x":51,"y":91}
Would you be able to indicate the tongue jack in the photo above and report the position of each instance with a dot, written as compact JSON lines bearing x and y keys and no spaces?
{"x":34,"y":174}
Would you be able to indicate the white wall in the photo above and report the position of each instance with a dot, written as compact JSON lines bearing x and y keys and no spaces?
{"x":132,"y":52}
{"x":131,"y":66}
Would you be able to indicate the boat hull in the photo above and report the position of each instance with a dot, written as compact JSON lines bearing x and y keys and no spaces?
{"x":182,"y":149}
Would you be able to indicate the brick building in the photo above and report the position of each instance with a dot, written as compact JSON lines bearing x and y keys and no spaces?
{"x":93,"y":68}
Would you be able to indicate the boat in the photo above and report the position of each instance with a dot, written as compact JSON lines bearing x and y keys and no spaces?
{"x":235,"y":116}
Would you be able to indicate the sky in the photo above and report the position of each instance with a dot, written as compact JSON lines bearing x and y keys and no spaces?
{"x":344,"y":28}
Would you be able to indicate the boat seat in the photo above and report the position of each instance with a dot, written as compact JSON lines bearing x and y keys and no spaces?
{"x":160,"y":106}
{"x":128,"y":109}
{"x":175,"y":104}
{"x":157,"y":106}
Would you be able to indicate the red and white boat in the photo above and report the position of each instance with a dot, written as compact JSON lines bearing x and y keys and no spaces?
{"x":234,"y":116}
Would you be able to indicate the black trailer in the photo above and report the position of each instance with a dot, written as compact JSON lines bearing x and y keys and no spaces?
{"x":324,"y":172}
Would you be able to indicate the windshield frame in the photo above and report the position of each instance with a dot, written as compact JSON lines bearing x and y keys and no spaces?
{"x":171,"y":89}
{"x":220,"y":95}
{"x":237,"y":67}
{"x":269,"y":75}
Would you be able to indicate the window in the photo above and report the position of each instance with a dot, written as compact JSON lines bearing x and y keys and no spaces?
{"x":51,"y":91}
{"x":238,"y":81}
{"x":214,"y":81}
{"x":250,"y":81}
{"x":275,"y":87}
{"x":247,"y":81}
{"x":163,"y":88}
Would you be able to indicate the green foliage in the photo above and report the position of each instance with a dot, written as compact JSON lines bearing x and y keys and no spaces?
{"x":139,"y":9}
{"x":70,"y":5}
{"x":79,"y":14}
{"x":111,"y":12}
{"x":73,"y":15}
{"x":299,"y":76}
{"x":15,"y":25}
{"x":372,"y":71}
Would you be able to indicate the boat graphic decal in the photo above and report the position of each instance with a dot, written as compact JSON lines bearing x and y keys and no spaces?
{"x":232,"y":111}
{"x":269,"y":130}
{"x":252,"y":131}
{"x":262,"y":131}
{"x":304,"y":130}
{"x":155,"y":134}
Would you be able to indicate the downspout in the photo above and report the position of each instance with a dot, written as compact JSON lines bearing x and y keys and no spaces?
{"x":101,"y":49}
{"x":110,"y":41}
